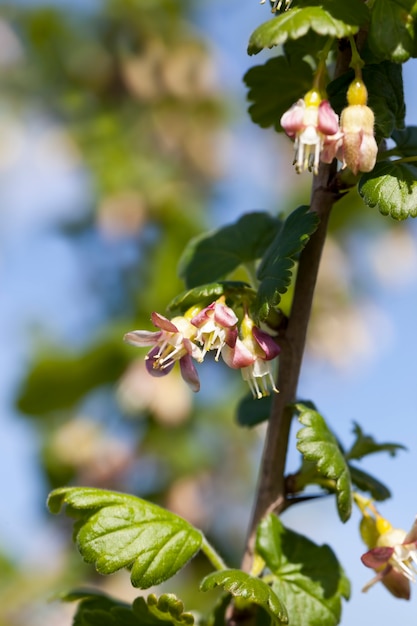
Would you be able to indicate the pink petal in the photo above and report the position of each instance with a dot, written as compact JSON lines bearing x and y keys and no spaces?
{"x":397,"y":584}
{"x":239,"y":356}
{"x":328,"y":121}
{"x":142,"y":338}
{"x":231,"y":337}
{"x":267,"y":343}
{"x":293,"y":120}
{"x":224,"y":316}
{"x":189,"y":372}
{"x":157,"y":372}
{"x":202,"y":317}
{"x":162,"y":322}
{"x":377,"y":557}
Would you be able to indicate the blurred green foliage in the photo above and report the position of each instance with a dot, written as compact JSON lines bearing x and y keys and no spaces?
{"x":129,"y":86}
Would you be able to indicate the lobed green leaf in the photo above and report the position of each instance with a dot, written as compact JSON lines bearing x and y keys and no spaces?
{"x":213,"y":256}
{"x":325,"y":17}
{"x":274,"y":87}
{"x":307,"y":577}
{"x":274,"y":272}
{"x":318,"y":444}
{"x":391,"y":187}
{"x":398,"y":42}
{"x":205,"y":294}
{"x":366,"y":444}
{"x":117,"y":530}
{"x":98,"y":609}
{"x":242,"y":585}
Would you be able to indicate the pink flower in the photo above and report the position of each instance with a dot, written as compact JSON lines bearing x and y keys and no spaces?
{"x":309,"y":121}
{"x":253,"y":355}
{"x":173,"y":342}
{"x":394,"y":558}
{"x":359,"y":148}
{"x":216,"y":326}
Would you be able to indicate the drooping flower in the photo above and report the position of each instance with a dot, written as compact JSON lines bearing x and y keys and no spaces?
{"x":359,"y":148}
{"x":253,"y":355}
{"x":394,"y":558}
{"x":309,"y":122}
{"x":392,"y":551}
{"x":173,"y":342}
{"x":216,"y":326}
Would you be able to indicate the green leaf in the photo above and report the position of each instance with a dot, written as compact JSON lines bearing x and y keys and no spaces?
{"x":242,"y":585}
{"x":325,"y":17}
{"x":98,"y":609}
{"x":211,"y":257}
{"x":308,"y":577}
{"x":253,"y":411}
{"x":392,"y":188}
{"x":365,"y":482}
{"x":396,"y":43}
{"x":406,"y":141}
{"x":59,"y":382}
{"x":205,"y":294}
{"x":365,"y":444}
{"x":386,"y":95}
{"x":274,"y":272}
{"x":117,"y":530}
{"x":318,"y":444}
{"x":274,"y":87}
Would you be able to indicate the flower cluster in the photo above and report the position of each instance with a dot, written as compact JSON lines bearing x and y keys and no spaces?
{"x":392,"y":553}
{"x":318,"y":136}
{"x":216,"y":327}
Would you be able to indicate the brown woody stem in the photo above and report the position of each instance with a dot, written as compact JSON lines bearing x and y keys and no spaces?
{"x":271,"y":489}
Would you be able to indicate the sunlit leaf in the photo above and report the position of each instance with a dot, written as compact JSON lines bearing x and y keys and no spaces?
{"x":213,"y":256}
{"x":205,"y":294}
{"x":391,"y":187}
{"x":274,"y":272}
{"x":117,"y":530}
{"x":325,"y":17}
{"x":242,"y":585}
{"x":366,"y":444}
{"x":318,"y":444}
{"x":307,"y":577}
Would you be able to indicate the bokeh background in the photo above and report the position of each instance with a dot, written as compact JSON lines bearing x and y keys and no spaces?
{"x":124,"y":133}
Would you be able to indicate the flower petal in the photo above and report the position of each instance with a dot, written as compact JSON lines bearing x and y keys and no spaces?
{"x":239,"y":356}
{"x":397,"y":584}
{"x":142,"y":338}
{"x":377,"y":557}
{"x":328,"y":121}
{"x":189,"y":373}
{"x":267,"y":343}
{"x":411,"y":536}
{"x":162,"y":322}
{"x":151,"y":364}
